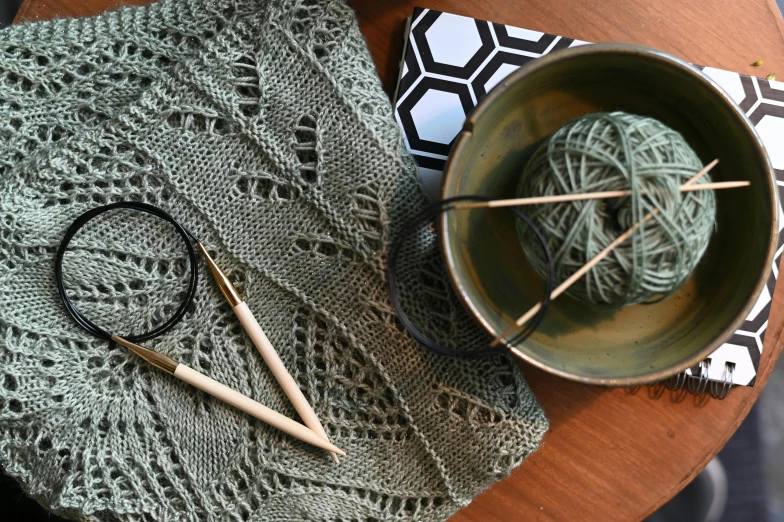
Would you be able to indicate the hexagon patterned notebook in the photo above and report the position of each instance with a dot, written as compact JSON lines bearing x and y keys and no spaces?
{"x":450,"y":62}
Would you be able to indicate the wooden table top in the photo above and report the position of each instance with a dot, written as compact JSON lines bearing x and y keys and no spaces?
{"x":610,"y":454}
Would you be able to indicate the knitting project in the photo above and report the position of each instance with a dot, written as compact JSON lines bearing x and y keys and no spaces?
{"x":261,"y":126}
{"x":618,"y":151}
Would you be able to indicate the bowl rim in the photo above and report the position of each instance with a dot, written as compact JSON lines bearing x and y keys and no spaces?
{"x":461,"y":141}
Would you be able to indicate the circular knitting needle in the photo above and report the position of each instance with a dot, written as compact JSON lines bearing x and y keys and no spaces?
{"x":560,"y":289}
{"x":161,"y":361}
{"x":229,"y":396}
{"x":265,"y":348}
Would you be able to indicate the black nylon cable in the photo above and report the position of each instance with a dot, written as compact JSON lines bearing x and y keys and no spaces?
{"x":427,"y":215}
{"x":93,"y":328}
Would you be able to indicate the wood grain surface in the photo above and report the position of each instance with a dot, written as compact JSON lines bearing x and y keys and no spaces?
{"x":610,"y":454}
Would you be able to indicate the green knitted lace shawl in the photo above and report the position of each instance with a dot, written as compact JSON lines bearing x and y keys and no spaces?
{"x":262,"y":126}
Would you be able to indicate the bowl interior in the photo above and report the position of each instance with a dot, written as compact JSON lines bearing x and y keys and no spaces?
{"x":639,"y":343}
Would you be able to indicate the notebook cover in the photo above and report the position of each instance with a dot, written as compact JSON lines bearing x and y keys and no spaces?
{"x":450,"y":62}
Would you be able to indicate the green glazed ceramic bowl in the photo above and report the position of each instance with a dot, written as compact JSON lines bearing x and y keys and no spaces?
{"x":641,"y":343}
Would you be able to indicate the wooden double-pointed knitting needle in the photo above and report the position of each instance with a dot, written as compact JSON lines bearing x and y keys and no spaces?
{"x":590,"y":264}
{"x":265,"y":348}
{"x":561,"y":198}
{"x":229,"y":396}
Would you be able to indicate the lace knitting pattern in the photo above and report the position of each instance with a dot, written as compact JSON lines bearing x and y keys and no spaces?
{"x":262,"y":126}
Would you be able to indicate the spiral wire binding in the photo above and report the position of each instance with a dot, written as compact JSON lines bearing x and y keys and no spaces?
{"x":697,"y":385}
{"x":726,"y":382}
{"x":676,"y":382}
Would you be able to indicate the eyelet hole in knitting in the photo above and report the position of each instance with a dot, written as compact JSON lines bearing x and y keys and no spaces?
{"x":44,"y":444}
{"x":305,"y":146}
{"x":323,"y":246}
{"x":283,"y":192}
{"x":247,"y":84}
{"x":9,"y":382}
{"x":435,"y":295}
{"x":328,"y":249}
{"x":197,"y":122}
{"x":368,"y":214}
{"x":260,"y":186}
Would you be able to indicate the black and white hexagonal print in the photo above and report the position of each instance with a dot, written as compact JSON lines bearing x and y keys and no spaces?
{"x":433,"y":113}
{"x":452,"y":45}
{"x":452,"y":61}
{"x":409,"y":74}
{"x":523,"y":39}
{"x":502,"y":65}
{"x":763,"y":103}
{"x":504,"y":62}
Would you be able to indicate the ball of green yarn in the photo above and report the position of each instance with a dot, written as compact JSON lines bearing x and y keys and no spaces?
{"x":618,"y":151}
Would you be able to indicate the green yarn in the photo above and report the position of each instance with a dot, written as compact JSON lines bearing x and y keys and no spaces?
{"x":618,"y":151}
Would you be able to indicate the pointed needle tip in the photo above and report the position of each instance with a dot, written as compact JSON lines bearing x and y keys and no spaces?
{"x":339,"y":451}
